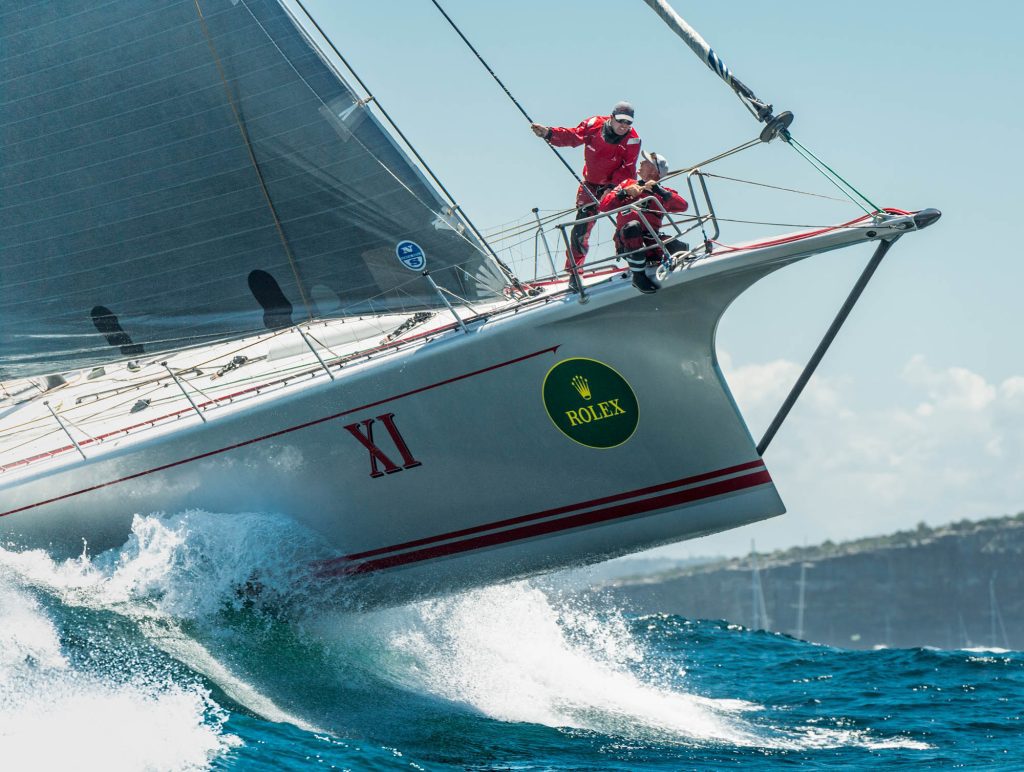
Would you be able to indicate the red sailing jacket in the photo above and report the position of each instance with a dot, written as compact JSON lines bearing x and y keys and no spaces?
{"x":670,"y":199}
{"x":604,"y":163}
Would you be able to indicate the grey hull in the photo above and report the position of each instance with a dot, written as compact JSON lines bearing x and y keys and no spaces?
{"x":472,"y":481}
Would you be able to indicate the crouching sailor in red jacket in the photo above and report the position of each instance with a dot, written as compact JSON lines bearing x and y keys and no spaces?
{"x":631,"y":234}
{"x":610,"y":155}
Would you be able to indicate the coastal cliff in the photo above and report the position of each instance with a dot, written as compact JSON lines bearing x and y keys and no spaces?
{"x":955,"y":586}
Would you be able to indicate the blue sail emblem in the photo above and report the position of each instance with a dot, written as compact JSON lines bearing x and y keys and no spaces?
{"x":411,"y":255}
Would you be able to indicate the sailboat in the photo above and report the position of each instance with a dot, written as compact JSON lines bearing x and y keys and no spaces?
{"x":228,"y":283}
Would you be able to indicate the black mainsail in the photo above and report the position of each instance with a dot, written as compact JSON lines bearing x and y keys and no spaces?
{"x":177,"y":171}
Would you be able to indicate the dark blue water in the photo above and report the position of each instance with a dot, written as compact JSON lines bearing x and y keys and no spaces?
{"x":148,"y":658}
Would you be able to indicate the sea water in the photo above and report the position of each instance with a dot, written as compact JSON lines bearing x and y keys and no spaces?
{"x":194,"y":647}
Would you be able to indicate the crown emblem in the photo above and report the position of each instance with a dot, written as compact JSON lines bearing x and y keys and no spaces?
{"x":581,"y":385}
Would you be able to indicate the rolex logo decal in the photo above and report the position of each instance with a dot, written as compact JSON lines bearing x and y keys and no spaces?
{"x":582,"y":386}
{"x":590,"y":403}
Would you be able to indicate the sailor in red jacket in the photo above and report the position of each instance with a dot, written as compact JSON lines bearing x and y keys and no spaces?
{"x":630,"y":232}
{"x":612,"y":149}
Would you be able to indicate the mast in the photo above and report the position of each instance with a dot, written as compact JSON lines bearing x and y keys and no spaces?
{"x":800,"y":601}
{"x":775,"y":125}
{"x":760,"y":613}
{"x":994,"y":615}
{"x":965,"y":640}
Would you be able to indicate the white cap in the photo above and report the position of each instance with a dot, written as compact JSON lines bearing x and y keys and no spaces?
{"x":658,"y":160}
{"x":623,"y":111}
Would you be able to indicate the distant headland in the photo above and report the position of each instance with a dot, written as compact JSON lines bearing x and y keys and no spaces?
{"x":955,"y":586}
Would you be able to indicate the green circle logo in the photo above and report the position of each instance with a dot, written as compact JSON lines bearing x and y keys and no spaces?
{"x":590,"y":403}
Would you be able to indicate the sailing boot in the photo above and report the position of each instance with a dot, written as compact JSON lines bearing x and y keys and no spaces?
{"x":643,"y":283}
{"x":573,"y":285}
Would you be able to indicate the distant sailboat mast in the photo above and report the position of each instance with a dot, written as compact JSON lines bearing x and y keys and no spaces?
{"x":995,"y":616}
{"x":760,"y":613}
{"x":965,"y":640}
{"x":800,"y":601}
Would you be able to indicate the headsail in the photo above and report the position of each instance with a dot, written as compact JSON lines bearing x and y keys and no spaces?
{"x":186,"y":170}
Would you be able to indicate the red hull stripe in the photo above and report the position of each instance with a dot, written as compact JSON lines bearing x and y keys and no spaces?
{"x":726,"y":249}
{"x":553,"y":526}
{"x":756,"y":464}
{"x":290,"y":429}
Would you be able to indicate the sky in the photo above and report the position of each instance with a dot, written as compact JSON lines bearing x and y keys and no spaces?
{"x":917,"y":412}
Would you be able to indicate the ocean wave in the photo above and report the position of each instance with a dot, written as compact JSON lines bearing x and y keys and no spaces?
{"x":224,"y":598}
{"x":58,"y":712}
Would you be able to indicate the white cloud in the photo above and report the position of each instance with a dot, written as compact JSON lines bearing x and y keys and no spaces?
{"x":761,"y":388}
{"x":954,"y":388}
{"x":949,"y":446}
{"x":1012,"y":390}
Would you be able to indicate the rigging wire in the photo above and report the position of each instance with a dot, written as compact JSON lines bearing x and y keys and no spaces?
{"x":724,"y":154}
{"x":776,"y":126}
{"x":832,"y":179}
{"x":455,"y":206}
{"x":559,"y":214}
{"x":801,"y":149}
{"x":514,"y":231}
{"x":157,"y":383}
{"x":517,"y":230}
{"x":780,"y":224}
{"x":521,"y":225}
{"x":140,"y":391}
{"x":775,"y":187}
{"x":509,"y":95}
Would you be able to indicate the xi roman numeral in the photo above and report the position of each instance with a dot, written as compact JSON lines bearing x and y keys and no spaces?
{"x":363,"y":431}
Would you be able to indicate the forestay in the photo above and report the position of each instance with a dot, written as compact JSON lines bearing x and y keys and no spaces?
{"x":177,"y":171}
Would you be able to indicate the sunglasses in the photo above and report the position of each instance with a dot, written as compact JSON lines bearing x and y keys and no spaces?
{"x":626,"y":122}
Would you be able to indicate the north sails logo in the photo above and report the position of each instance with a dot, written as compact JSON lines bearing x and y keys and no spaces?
{"x":590,"y":403}
{"x":411,"y":254}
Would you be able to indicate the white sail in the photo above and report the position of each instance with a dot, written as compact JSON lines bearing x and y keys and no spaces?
{"x":180,"y":172}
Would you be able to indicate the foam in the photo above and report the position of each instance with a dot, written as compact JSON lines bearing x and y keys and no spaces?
{"x":515,"y":653}
{"x":511,"y":653}
{"x":56,"y":716}
{"x":173,"y":569}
